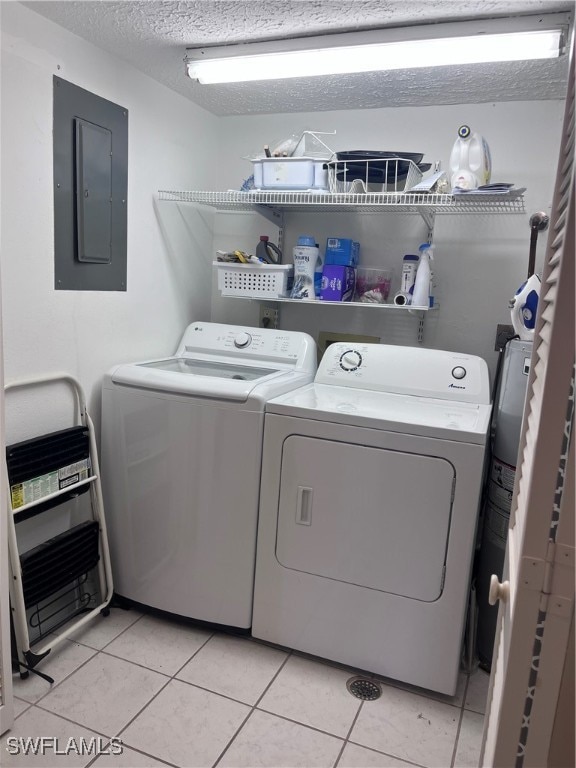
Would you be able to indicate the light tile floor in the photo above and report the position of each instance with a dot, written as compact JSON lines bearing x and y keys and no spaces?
{"x":179,"y":695}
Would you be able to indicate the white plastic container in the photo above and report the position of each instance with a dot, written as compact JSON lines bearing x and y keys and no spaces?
{"x":264,"y":281}
{"x":470,"y":162}
{"x":290,"y":173}
{"x":421,"y":295}
{"x":305,"y":255}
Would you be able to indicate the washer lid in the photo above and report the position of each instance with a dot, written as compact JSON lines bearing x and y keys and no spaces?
{"x":201,"y":378}
{"x":465,"y":422}
{"x":213,"y":368}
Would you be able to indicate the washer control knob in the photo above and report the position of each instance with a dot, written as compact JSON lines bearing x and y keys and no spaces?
{"x":458,"y":372}
{"x":351,"y":360}
{"x":242,"y":340}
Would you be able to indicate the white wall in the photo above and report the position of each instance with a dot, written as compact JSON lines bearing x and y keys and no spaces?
{"x":480,"y":260}
{"x":171,"y":144}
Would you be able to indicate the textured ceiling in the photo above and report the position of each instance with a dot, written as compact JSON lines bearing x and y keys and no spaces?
{"x":153,"y":37}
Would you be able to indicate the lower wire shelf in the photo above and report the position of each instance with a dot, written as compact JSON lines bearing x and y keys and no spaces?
{"x":320,"y":303}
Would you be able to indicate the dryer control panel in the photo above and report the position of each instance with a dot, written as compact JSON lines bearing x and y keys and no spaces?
{"x":415,"y":371}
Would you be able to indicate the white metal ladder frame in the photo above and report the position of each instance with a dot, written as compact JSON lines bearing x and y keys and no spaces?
{"x":26,"y":656}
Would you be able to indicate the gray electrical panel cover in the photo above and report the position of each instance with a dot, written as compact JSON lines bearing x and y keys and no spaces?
{"x":90,"y":190}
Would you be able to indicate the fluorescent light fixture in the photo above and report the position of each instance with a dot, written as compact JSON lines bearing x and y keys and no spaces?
{"x":370,"y":56}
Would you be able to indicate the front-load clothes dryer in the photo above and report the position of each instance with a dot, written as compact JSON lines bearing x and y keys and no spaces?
{"x":181,"y":456}
{"x":370,"y":488}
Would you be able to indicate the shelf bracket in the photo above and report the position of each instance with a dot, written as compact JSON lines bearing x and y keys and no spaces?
{"x":421,"y":328}
{"x":276,"y":217}
{"x":428,"y":216}
{"x":272,"y":214}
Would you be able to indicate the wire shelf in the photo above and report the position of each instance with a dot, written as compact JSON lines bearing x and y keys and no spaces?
{"x":321,"y":303}
{"x":399,"y":202}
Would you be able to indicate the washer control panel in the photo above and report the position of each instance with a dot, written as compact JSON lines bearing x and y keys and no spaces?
{"x":243,"y":343}
{"x":416,"y":371}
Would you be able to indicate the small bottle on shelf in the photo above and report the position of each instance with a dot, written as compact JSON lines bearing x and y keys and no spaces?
{"x":267,"y":252}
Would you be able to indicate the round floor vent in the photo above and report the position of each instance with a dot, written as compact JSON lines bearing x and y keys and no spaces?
{"x":364,"y":689}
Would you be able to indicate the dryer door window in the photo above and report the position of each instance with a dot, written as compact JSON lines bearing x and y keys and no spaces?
{"x":367,"y":516}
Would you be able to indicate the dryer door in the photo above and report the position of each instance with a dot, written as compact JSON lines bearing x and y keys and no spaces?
{"x":368,"y":516}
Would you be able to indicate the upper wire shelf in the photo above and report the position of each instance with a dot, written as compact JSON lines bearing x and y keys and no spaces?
{"x":400,"y":202}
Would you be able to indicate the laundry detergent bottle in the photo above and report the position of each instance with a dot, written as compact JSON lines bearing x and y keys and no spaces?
{"x":305,"y":255}
{"x":470,"y":162}
{"x":267,"y":252}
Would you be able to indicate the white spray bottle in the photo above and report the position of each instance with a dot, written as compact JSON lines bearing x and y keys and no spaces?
{"x":422,"y":285}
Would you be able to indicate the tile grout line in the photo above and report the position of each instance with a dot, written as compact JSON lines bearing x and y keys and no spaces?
{"x":386,"y":754}
{"x":26,"y":708}
{"x":356,"y":716}
{"x":267,"y":688}
{"x":455,"y":748}
{"x":196,"y":652}
{"x":170,"y":679}
{"x":52,"y":687}
{"x":133,"y":624}
{"x":98,"y":650}
{"x":134,"y":663}
{"x":73,"y":722}
{"x":298,"y":722}
{"x":148,"y":669}
{"x":140,"y":752}
{"x":252,"y":710}
{"x":129,"y":723}
{"x":209,"y":690}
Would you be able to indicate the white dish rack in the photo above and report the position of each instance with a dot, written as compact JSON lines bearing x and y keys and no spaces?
{"x":372,"y":175}
{"x":260,"y":281}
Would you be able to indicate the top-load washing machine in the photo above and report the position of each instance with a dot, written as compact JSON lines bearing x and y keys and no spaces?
{"x":181,"y":456}
{"x":370,"y":488}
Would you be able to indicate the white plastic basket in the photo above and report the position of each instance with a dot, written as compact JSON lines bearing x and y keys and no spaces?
{"x":266,"y":281}
{"x":372,"y":175}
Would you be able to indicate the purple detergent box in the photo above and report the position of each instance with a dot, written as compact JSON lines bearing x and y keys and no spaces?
{"x":338,"y":283}
{"x":340,"y":251}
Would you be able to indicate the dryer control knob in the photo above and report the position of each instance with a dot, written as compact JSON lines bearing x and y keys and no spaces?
{"x":242,"y":340}
{"x":350,"y":360}
{"x":458,"y":372}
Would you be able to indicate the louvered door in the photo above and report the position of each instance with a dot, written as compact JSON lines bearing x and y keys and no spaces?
{"x":6,"y":705}
{"x":537,"y":604}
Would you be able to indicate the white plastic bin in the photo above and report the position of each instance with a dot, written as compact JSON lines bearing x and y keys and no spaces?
{"x":290,"y":173}
{"x":266,"y":281}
